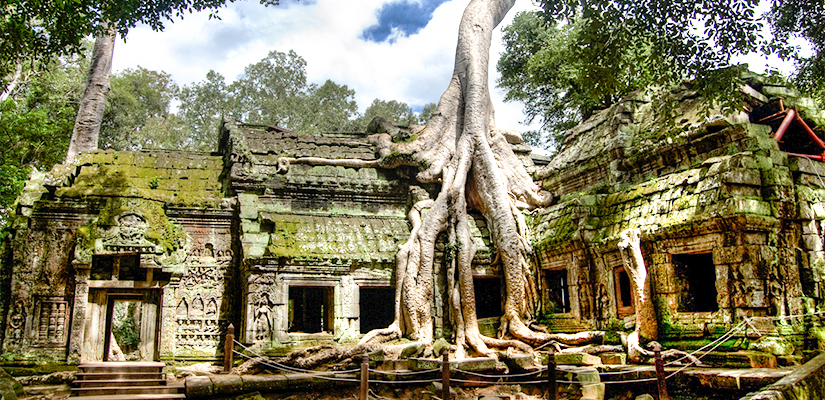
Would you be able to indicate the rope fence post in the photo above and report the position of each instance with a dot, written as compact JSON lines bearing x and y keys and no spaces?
{"x":660,"y":371}
{"x":552,"y":386}
{"x":365,"y":376}
{"x":228,"y":354}
{"x":445,"y":373}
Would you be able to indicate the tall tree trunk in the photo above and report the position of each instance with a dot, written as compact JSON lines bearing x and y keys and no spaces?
{"x":90,"y":113}
{"x":646,"y":324}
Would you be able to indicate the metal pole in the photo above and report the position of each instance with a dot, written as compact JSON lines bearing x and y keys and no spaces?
{"x":228,"y":355}
{"x":445,"y":373}
{"x":552,"y":386}
{"x":365,"y":376}
{"x":660,"y":371}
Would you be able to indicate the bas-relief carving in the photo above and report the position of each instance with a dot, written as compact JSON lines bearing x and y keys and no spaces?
{"x":198,"y":298}
{"x":128,"y":236}
{"x":263,"y":295}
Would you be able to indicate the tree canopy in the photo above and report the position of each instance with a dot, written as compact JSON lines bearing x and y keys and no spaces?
{"x":576,"y":56}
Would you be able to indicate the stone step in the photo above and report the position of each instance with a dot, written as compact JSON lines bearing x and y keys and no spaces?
{"x":133,"y":397}
{"x":155,"y":367}
{"x":88,"y":376}
{"x":119,"y":382}
{"x":91,"y":391}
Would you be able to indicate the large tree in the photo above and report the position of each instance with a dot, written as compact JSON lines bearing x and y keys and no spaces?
{"x":462,"y":150}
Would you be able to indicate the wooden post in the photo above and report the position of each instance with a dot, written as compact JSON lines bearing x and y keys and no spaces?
{"x":228,"y":355}
{"x":552,"y":385}
{"x":365,"y":376}
{"x":445,"y":373}
{"x":660,"y":371}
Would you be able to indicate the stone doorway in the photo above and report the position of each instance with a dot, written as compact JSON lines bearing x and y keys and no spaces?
{"x":122,"y":325}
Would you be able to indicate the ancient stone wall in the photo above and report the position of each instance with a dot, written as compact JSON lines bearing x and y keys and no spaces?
{"x":730,"y":223}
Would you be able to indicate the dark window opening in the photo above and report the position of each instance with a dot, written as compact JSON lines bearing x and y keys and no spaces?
{"x":488,"y":297}
{"x":102,"y":267}
{"x":696,"y":282}
{"x":624,"y":292}
{"x":377,"y":307}
{"x":310,"y":309}
{"x":130,"y":269}
{"x":558,"y":296}
{"x":624,"y":289}
{"x":124,"y":267}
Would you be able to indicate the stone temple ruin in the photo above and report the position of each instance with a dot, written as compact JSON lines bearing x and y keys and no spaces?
{"x":732,"y":225}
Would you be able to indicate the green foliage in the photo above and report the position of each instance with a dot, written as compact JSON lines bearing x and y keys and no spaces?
{"x":393,"y":111}
{"x":36,"y":123}
{"x":138,"y":113}
{"x":544,"y":68}
{"x":578,"y":56}
{"x":274,"y":91}
{"x":125,"y":328}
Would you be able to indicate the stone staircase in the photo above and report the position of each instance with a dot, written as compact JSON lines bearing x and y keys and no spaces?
{"x":124,"y":380}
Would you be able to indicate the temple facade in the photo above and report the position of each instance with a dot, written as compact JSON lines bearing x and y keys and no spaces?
{"x":151,"y":255}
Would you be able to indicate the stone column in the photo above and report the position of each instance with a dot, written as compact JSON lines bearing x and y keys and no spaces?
{"x":81,"y":300}
{"x":168,"y":320}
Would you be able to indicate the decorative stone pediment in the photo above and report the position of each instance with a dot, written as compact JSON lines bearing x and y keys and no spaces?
{"x":129,"y":226}
{"x":128,"y":236}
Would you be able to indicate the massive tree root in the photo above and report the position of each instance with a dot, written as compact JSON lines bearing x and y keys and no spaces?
{"x":462,"y":150}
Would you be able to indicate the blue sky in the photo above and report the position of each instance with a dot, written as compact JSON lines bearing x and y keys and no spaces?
{"x":401,"y":18}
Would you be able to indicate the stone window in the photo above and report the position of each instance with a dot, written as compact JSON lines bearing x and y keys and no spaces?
{"x":695,"y":277}
{"x":377,"y":307}
{"x":624,"y":292}
{"x":53,"y":316}
{"x":123,"y":267}
{"x":488,"y":296}
{"x":310,"y":309}
{"x":557,"y":298}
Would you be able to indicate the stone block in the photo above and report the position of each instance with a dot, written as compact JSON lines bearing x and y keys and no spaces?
{"x":198,"y":387}
{"x":226,"y":384}
{"x":249,"y":206}
{"x":577,"y":359}
{"x":613,"y":358}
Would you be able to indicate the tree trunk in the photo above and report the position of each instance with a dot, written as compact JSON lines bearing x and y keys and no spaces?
{"x":90,"y":113}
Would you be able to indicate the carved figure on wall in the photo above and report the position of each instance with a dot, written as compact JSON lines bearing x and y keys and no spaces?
{"x":183,"y":309}
{"x":17,"y":322}
{"x":603,"y":303}
{"x":197,"y":307}
{"x":263,"y":325}
{"x":736,"y":283}
{"x":211,"y":308}
{"x":775,"y":295}
{"x":584,"y":297}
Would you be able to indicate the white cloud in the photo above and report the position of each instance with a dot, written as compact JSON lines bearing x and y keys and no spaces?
{"x":414,"y":69}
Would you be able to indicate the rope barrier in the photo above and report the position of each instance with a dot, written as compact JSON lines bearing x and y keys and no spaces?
{"x":315,"y":374}
{"x":404,"y":373}
{"x":742,"y":326}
